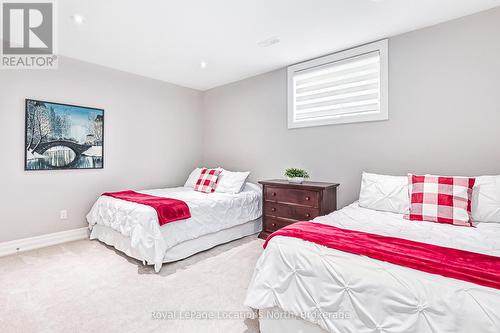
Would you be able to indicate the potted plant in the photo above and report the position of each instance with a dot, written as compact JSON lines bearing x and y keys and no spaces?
{"x":295,"y":175}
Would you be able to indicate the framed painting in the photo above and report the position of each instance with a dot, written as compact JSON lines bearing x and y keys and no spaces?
{"x":62,"y":136}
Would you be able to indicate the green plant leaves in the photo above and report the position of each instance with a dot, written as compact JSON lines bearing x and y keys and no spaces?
{"x":295,"y":172}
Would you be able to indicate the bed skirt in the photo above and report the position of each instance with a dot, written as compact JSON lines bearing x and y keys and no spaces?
{"x":179,"y":251}
{"x":276,"y":320}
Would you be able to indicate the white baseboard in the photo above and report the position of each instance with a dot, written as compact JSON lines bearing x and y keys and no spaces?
{"x":32,"y":243}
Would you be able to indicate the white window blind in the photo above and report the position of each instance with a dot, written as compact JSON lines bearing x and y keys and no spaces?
{"x":340,"y":88}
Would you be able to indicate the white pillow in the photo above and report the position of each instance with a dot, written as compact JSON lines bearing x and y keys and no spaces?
{"x":486,"y":199}
{"x":386,"y":193}
{"x":193,"y":177}
{"x":231,"y":182}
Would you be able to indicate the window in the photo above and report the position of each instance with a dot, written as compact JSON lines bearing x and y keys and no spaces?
{"x":345,"y":87}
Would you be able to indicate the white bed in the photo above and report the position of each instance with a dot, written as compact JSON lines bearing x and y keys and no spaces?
{"x":216,"y":218}
{"x":360,"y":294}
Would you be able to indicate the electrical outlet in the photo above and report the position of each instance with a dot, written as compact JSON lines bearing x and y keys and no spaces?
{"x":63,"y":214}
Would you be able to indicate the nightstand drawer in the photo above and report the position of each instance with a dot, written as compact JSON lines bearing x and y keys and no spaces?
{"x":299,"y":213}
{"x":292,"y":196}
{"x":272,"y":224}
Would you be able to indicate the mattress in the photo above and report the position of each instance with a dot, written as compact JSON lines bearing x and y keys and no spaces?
{"x":344,"y":292}
{"x":210,"y":213}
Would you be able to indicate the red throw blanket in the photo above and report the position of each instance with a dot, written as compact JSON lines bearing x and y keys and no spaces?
{"x":168,"y":210}
{"x":473,"y":267}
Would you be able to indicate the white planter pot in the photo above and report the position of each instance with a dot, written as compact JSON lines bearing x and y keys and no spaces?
{"x":296,"y":180}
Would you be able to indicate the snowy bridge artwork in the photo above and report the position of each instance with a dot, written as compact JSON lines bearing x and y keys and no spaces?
{"x":61,"y":136}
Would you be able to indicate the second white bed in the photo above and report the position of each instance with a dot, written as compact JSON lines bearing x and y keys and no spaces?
{"x":344,"y":292}
{"x":216,"y":218}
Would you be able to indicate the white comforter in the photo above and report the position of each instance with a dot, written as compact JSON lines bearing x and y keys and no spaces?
{"x":209,"y":213}
{"x":360,"y":294}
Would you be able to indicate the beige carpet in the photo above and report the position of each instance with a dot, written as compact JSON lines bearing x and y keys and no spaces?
{"x":85,"y":286}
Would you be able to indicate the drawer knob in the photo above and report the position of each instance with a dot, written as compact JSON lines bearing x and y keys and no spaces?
{"x":273,"y":209}
{"x":308,"y":215}
{"x":308,"y":198}
{"x":273,"y":224}
{"x":274,"y":194}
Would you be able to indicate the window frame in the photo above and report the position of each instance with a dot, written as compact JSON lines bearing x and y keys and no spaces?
{"x":382,"y":47}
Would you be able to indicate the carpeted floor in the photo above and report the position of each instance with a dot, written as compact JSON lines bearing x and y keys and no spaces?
{"x":85,"y":286}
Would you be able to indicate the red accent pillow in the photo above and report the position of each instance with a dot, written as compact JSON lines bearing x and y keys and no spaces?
{"x":207,"y":181}
{"x":441,"y":199}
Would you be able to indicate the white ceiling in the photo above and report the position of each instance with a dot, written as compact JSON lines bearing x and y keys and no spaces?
{"x":167,"y":40}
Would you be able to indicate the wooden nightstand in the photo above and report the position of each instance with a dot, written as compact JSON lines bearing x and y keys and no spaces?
{"x":286,"y":203}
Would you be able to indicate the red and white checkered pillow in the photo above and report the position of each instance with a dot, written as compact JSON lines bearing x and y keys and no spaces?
{"x":441,"y":199}
{"x":207,"y":181}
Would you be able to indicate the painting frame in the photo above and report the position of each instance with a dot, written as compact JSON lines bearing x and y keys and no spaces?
{"x":65,"y":105}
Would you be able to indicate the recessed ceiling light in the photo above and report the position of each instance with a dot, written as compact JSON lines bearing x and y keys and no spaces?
{"x":78,"y":19}
{"x":268,"y":42}
{"x":203,"y":64}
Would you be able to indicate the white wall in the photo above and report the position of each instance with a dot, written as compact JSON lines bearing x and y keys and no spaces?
{"x":444,"y":115}
{"x":152,"y":139}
